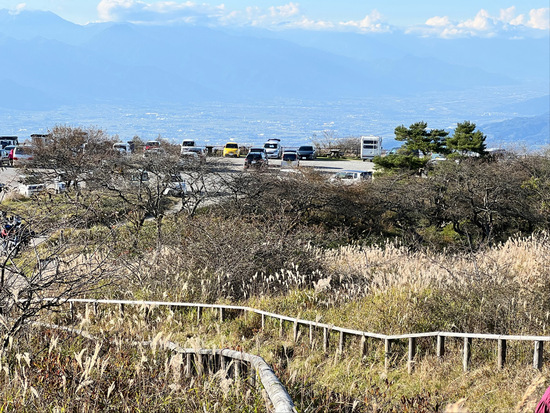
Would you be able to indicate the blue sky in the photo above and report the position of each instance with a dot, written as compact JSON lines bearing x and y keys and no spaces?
{"x":449,"y":18}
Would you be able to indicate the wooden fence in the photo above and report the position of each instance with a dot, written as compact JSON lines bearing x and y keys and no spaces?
{"x":344,"y":333}
{"x":236,"y":363}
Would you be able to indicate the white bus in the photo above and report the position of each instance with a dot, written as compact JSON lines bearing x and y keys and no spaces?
{"x":371,"y":146}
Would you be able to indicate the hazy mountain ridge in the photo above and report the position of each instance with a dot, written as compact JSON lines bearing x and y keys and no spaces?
{"x":51,"y":63}
{"x":131,"y":62}
{"x":531,"y":132}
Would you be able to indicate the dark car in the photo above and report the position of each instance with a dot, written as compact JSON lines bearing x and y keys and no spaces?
{"x":306,"y":152}
{"x":255,"y":160}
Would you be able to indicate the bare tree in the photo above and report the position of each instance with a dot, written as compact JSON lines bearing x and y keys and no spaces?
{"x":70,"y":153}
{"x":42,"y":276}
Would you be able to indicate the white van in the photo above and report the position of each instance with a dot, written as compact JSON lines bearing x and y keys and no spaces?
{"x":273,"y":148}
{"x":30,"y":190}
{"x":371,"y":146}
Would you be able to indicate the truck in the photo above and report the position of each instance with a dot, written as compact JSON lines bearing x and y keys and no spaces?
{"x":371,"y":146}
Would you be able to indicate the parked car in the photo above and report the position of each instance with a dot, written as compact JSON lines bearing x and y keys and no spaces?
{"x":256,"y":160}
{"x":194,"y":153}
{"x":273,"y":148}
{"x":124,"y":148}
{"x":257,"y":149}
{"x":351,"y":177}
{"x":31,"y":189}
{"x":5,"y":157}
{"x":152,"y":147}
{"x":290,"y":160}
{"x":176,"y":186}
{"x":231,"y":149}
{"x":307,"y":152}
{"x":187,"y":143}
{"x":57,"y":187}
{"x":20,"y":155}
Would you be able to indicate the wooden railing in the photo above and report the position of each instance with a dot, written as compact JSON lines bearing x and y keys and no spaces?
{"x":236,"y":363}
{"x":538,"y":354}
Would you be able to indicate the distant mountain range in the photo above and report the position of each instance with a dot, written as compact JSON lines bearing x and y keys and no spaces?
{"x":58,"y":61}
{"x":529,"y":132}
{"x":48,"y":62}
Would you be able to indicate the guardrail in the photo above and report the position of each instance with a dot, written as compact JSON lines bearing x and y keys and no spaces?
{"x":538,"y":354}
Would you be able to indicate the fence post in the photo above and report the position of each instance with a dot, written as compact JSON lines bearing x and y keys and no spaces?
{"x":311,"y":334}
{"x":199,"y":313}
{"x":325,"y":339}
{"x":412,"y":354}
{"x":280,"y":327}
{"x":121,"y":308}
{"x":188,"y":366}
{"x":221,"y":314}
{"x":71,"y":310}
{"x":467,"y":353}
{"x":440,"y":346}
{"x":387,"y":353}
{"x":263,"y":322}
{"x":501,"y":353}
{"x":537,"y":355}
{"x":341,"y":343}
{"x":295,"y":331}
{"x":363,"y":346}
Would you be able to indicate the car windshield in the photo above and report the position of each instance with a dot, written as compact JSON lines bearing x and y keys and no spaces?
{"x":254,"y":156}
{"x":306,"y":148}
{"x":289,"y":157}
{"x":232,"y":146}
{"x":153,"y":143}
{"x":270,"y":145}
{"x":22,"y":151}
{"x":345,"y":175}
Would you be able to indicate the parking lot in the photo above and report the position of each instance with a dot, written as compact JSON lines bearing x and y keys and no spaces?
{"x":322,"y":165}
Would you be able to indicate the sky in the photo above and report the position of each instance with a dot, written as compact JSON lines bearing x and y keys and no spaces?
{"x":448,"y":18}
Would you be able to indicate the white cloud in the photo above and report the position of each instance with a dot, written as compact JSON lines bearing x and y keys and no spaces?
{"x":483,"y":24}
{"x":286,"y":11}
{"x":539,"y":19}
{"x":19,"y":8}
{"x":289,"y":15}
{"x":371,"y":23}
{"x":438,"y":21}
{"x":160,"y":11}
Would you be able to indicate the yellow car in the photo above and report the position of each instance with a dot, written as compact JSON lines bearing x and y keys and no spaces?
{"x":231,"y":149}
